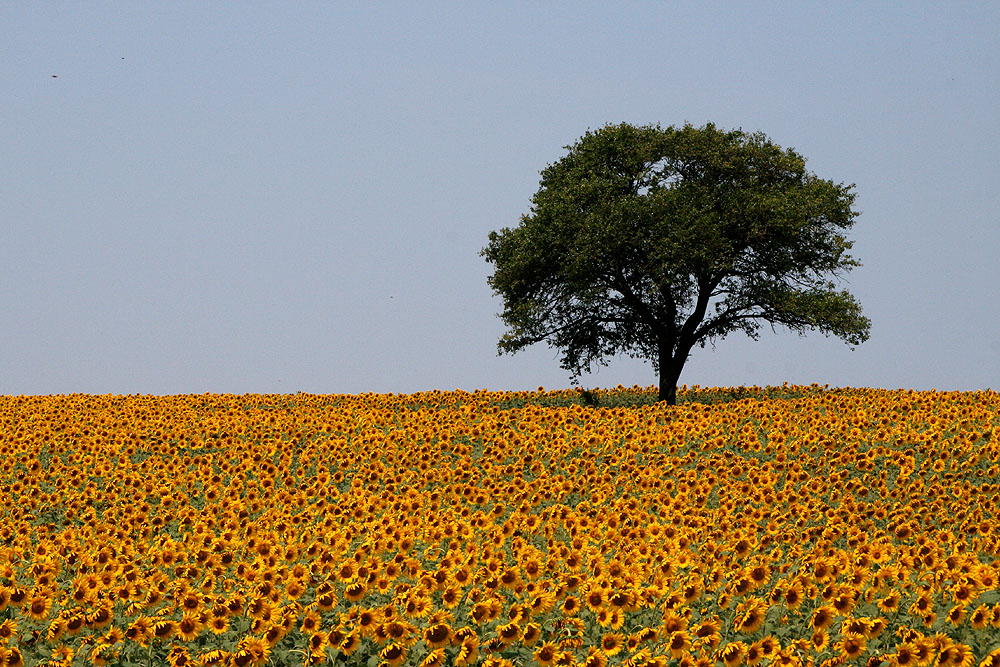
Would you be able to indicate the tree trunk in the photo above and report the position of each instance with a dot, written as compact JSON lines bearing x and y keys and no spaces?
{"x":670,"y":371}
{"x":668,"y":390}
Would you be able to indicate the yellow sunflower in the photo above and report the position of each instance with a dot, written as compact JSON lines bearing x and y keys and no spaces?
{"x":545,"y":654}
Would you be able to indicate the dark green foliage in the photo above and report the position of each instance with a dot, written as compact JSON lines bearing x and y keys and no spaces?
{"x":648,"y":240}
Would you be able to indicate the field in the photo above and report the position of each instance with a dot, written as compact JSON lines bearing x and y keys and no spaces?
{"x":780,"y":526}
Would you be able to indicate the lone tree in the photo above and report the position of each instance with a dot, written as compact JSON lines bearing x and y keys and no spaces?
{"x":648,"y":240}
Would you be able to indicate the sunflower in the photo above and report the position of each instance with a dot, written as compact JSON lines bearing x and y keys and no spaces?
{"x":792,"y":596}
{"x":190,"y":626}
{"x":844,"y":602}
{"x":163,"y":628}
{"x":741,"y":586}
{"x":317,"y":642}
{"x":100,"y":618}
{"x":750,"y":616}
{"x":113,"y":636}
{"x":905,"y":655}
{"x":335,"y":636}
{"x":509,"y":633}
{"x":979,"y":618}
{"x":311,"y":621}
{"x":393,"y":653}
{"x":787,"y":658}
{"x":819,"y":640}
{"x":509,"y":578}
{"x":350,"y":643}
{"x":367,"y":622}
{"x":921,"y":605}
{"x":242,"y":658}
{"x":326,"y":601}
{"x":851,"y":646}
{"x":823,"y":617}
{"x":889,"y":604}
{"x":7,"y":630}
{"x":438,"y":635}
{"x":753,"y":656}
{"x":595,"y":658}
{"x":417,"y":606}
{"x":468,"y":652}
{"x":542,"y":603}
{"x":75,"y":621}
{"x":397,"y":631}
{"x":214,"y":658}
{"x":450,"y":597}
{"x":992,"y":659}
{"x":924,"y":648}
{"x":256,"y":648}
{"x":347,"y":571}
{"x":436,"y":658}
{"x":139,"y":631}
{"x":678,"y":643}
{"x":480,"y":613}
{"x":101,"y":655}
{"x":956,"y":614}
{"x":874,"y":627}
{"x":709,"y":632}
{"x":294,"y":589}
{"x":759,"y":575}
{"x":532,"y":631}
{"x":732,"y":654}
{"x":14,"y":657}
{"x":956,"y":655}
{"x":178,"y":657}
{"x":595,"y":599}
{"x":545,"y":654}
{"x":273,"y":635}
{"x":39,"y":606}
{"x":61,"y":655}
{"x":218,"y":624}
{"x":570,"y":606}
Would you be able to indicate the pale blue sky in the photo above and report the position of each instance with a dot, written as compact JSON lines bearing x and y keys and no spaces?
{"x":279,"y":197}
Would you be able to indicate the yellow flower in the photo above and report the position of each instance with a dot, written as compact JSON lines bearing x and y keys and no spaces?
{"x":595,"y":658}
{"x":823,"y":617}
{"x":956,"y":655}
{"x":679,"y":643}
{"x":190,"y":626}
{"x":39,"y":606}
{"x":436,"y":658}
{"x":732,"y":654}
{"x":851,"y":646}
{"x":101,"y":654}
{"x":7,"y":630}
{"x":438,"y":635}
{"x":750,"y":615}
{"x":255,"y":648}
{"x":317,"y":642}
{"x":393,"y":654}
{"x":545,"y":654}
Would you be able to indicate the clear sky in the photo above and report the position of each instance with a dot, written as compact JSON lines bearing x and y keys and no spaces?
{"x":280,"y":197}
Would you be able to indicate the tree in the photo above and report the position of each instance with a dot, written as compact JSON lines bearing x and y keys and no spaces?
{"x":647,"y":241}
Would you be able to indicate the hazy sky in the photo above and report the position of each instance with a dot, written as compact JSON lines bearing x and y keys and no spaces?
{"x":279,"y":197}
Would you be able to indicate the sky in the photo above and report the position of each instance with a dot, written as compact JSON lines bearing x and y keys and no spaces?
{"x":278,"y":197}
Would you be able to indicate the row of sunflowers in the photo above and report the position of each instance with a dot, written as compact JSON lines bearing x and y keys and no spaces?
{"x":794,"y":526}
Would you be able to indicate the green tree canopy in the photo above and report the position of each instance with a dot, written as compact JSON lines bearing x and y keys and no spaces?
{"x":647,"y":240}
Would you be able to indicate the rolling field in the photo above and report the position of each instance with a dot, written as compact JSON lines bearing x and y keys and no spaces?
{"x":780,"y":526}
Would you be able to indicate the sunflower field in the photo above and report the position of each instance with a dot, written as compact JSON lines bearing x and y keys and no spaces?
{"x":788,"y":526}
